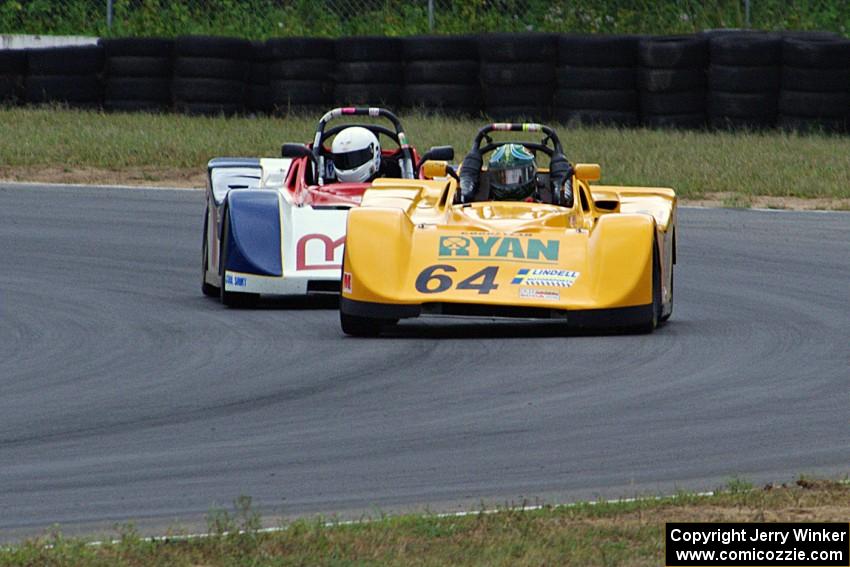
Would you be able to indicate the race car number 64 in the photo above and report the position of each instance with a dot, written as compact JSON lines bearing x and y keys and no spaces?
{"x":482,"y":281}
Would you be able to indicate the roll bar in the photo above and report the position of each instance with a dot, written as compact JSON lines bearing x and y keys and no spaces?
{"x":406,"y":161}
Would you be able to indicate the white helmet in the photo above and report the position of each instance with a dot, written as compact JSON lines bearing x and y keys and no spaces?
{"x":356,"y":155}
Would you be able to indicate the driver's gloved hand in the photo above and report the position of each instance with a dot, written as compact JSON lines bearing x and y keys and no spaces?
{"x":470,"y":173}
{"x":561,"y":177}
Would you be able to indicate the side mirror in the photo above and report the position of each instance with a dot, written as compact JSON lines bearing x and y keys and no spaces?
{"x":295,"y":151}
{"x":588,"y":171}
{"x":432,"y":169}
{"x":439,"y":153}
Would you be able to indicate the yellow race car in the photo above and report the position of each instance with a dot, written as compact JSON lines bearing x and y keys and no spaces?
{"x":508,"y":239}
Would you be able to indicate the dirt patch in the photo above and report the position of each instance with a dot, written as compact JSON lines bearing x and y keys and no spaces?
{"x":768,"y":202}
{"x":196,"y":178}
{"x":139,"y":176}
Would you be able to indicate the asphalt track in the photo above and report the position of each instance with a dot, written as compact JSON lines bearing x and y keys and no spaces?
{"x":125,"y":395}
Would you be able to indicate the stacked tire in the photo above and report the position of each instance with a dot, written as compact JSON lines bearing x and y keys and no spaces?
{"x":441,"y":74}
{"x":369,"y":71}
{"x":258,"y":95}
{"x":301,"y":74}
{"x":596,"y":81}
{"x":672,"y":81}
{"x":210,"y":74}
{"x":815,"y":85}
{"x":13,"y":69}
{"x":70,"y":75}
{"x":517,"y":75}
{"x":743,"y":80}
{"x":137,"y":74}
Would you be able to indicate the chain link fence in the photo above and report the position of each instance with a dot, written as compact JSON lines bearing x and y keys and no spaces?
{"x":260,"y":19}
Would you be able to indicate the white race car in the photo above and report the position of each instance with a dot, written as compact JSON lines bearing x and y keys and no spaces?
{"x":277,"y":225}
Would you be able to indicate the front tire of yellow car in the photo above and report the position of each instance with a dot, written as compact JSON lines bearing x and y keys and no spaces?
{"x":357,"y":326}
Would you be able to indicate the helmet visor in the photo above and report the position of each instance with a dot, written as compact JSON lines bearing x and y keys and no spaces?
{"x":513,"y":176}
{"x":354,"y":159}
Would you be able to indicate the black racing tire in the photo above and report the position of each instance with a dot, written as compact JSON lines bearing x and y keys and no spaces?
{"x":13,"y":61}
{"x":756,"y":106}
{"x":673,"y":52}
{"x":373,"y":94}
{"x":137,"y":66}
{"x":530,"y":113}
{"x":817,"y":54}
{"x":686,"y":102}
{"x":441,"y":72}
{"x":212,"y":46}
{"x":152,"y":106}
{"x":652,"y":322}
{"x":754,"y":49}
{"x":153,"y":89}
{"x":299,"y":93}
{"x":517,"y":95}
{"x":206,"y":288}
{"x":300,"y":48}
{"x":369,"y":72}
{"x":814,"y":105}
{"x":694,"y":121}
{"x":810,"y":35}
{"x":577,"y":77}
{"x":137,"y":47}
{"x":591,"y":117}
{"x":368,"y":48}
{"x":597,"y":99}
{"x":743,"y":79}
{"x":211,"y":68}
{"x":209,"y":108}
{"x":207,"y":90}
{"x":76,"y":60}
{"x":805,"y":124}
{"x":816,"y":80}
{"x":302,"y":69}
{"x":461,"y":96}
{"x":517,"y":47}
{"x":10,"y":88}
{"x":510,"y":74}
{"x":599,"y":50}
{"x":664,"y":318}
{"x":258,"y":73}
{"x":357,"y":326}
{"x":748,"y":123}
{"x":63,"y":88}
{"x":670,"y":80}
{"x":258,"y":98}
{"x":439,"y":48}
{"x":229,"y":298}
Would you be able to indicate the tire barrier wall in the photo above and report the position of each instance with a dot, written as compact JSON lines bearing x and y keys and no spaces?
{"x":369,"y":71}
{"x":301,"y":74}
{"x":137,"y":74}
{"x":721,"y":79}
{"x":441,"y":74}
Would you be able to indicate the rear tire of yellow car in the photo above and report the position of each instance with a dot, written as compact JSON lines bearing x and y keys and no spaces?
{"x":652,"y":322}
{"x":664,"y":318}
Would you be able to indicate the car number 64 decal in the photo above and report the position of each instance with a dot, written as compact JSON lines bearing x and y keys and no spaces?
{"x":434,"y":279}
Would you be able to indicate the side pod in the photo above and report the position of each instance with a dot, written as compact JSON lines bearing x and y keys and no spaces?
{"x":254,"y":232}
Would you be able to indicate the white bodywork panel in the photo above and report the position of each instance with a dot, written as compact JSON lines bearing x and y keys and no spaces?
{"x":311,"y":241}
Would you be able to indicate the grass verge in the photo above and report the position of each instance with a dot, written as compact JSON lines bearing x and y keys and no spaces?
{"x":627,"y":533}
{"x":55,"y":144}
